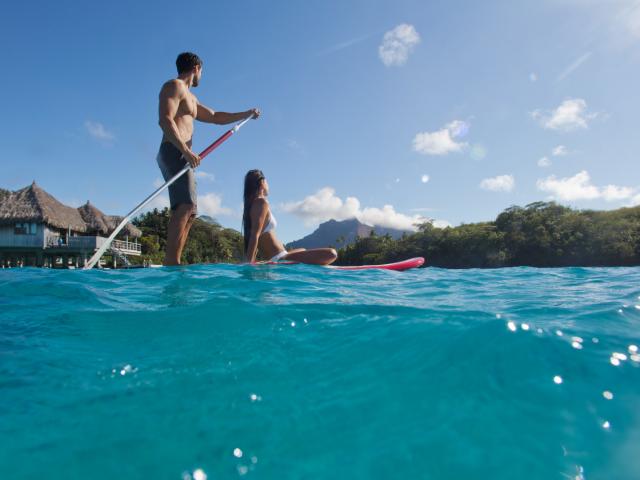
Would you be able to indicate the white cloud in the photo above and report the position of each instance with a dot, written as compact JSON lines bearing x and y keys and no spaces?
{"x":570,"y":115}
{"x":533,"y":77}
{"x":424,"y":178}
{"x":501,"y":183}
{"x":442,"y":141}
{"x":441,"y":224}
{"x":388,"y":217}
{"x":544,"y":162}
{"x":208,"y":204}
{"x":613,"y":193}
{"x":397,"y":44}
{"x":573,"y":66}
{"x":325,"y":205}
{"x":205,"y":175}
{"x":579,"y":187}
{"x":98,"y":131}
{"x":559,"y":151}
{"x":634,"y":201}
{"x":211,"y":204}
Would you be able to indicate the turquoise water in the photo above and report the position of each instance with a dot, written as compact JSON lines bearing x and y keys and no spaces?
{"x":302,"y":373}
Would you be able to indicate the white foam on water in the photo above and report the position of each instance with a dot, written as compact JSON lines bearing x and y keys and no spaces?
{"x":254,"y":397}
{"x":199,"y":474}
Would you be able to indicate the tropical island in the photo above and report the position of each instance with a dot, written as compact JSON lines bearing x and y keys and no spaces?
{"x":45,"y":232}
{"x":540,"y":234}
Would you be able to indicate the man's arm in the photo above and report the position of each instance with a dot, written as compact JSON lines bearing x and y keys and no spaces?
{"x":170,"y":97}
{"x":208,"y":115}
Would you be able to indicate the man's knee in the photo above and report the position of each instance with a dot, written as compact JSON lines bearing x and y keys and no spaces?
{"x":186,"y":210}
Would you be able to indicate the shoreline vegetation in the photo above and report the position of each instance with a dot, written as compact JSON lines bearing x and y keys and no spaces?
{"x":541,"y":234}
{"x":208,"y":241}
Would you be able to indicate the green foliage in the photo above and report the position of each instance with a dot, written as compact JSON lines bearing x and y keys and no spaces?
{"x":208,"y":242}
{"x":540,"y":234}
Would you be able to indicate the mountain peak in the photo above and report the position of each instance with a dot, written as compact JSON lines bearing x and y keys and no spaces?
{"x":339,"y":233}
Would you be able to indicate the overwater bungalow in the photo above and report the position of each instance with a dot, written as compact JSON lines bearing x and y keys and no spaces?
{"x":38,"y":230}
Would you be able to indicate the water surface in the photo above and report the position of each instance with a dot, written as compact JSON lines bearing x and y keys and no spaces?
{"x":303,"y":373}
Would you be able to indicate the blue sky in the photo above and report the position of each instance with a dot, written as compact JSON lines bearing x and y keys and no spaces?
{"x":361,"y":100}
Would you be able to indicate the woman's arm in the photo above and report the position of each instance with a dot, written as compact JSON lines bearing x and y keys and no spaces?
{"x":259,"y":212}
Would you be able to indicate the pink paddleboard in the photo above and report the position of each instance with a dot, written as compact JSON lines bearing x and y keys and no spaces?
{"x":398,"y":266}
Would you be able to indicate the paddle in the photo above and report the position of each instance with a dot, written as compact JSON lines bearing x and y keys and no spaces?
{"x":96,"y":256}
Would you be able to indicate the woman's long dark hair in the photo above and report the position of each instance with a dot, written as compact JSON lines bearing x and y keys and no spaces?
{"x":252,"y":182}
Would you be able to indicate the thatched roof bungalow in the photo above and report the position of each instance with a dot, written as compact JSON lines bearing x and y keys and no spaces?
{"x":32,"y":222}
{"x":33,"y":204}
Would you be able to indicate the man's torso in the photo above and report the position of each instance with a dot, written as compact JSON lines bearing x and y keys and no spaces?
{"x":187,"y":111}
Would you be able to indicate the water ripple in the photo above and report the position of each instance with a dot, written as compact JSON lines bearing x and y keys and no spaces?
{"x":430,"y":373}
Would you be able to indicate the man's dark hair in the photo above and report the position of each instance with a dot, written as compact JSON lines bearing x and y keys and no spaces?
{"x":186,"y":62}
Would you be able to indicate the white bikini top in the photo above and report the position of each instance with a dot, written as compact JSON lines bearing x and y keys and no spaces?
{"x":271,"y":224}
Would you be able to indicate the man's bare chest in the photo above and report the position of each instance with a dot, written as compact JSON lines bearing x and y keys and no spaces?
{"x":188,"y":106}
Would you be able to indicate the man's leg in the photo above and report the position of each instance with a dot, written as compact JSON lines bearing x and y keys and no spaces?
{"x":177,"y":231}
{"x":185,"y":233}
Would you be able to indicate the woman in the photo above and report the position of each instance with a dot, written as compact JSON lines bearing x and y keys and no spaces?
{"x":259,"y":228}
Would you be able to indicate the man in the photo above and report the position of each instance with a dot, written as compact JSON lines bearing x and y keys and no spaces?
{"x":178,"y":109}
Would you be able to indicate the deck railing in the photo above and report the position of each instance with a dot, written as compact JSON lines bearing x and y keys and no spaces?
{"x":92,"y":243}
{"x":127,"y":246}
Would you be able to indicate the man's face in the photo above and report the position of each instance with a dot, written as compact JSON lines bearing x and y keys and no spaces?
{"x":198,"y":74}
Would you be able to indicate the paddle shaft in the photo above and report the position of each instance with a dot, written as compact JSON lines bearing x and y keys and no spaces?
{"x":96,"y":256}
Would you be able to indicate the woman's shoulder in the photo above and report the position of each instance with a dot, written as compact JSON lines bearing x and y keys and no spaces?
{"x":260,"y":204}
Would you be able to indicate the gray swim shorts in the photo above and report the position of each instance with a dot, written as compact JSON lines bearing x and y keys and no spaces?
{"x":183,"y":190}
